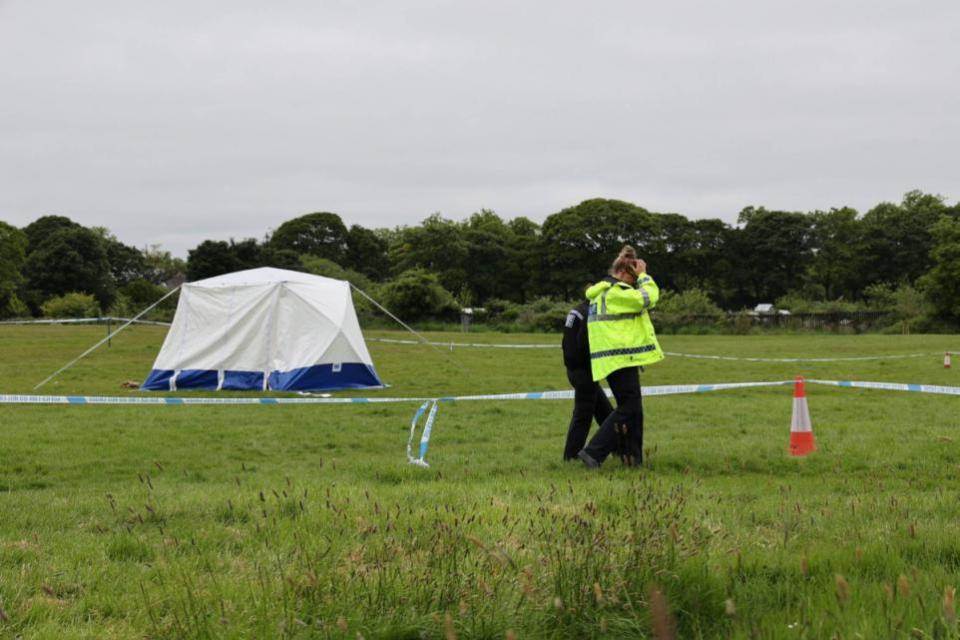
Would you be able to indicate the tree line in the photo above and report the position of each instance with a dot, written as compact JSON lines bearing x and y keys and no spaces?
{"x":440,"y":265}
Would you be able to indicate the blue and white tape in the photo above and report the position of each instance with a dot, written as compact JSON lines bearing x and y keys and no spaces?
{"x":429,"y":406}
{"x":413,"y":429}
{"x":891,"y":386}
{"x":184,"y":400}
{"x":843,"y":359}
{"x":506,"y":345}
{"x":181,"y":400}
{"x":493,"y":345}
{"x":102,"y":320}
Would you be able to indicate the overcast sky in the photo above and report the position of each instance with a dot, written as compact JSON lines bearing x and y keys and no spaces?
{"x":177,"y":121}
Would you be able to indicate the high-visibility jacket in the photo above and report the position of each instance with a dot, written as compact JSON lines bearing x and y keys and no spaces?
{"x":621,"y":334}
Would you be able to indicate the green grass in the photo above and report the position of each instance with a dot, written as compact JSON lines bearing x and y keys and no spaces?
{"x":307,"y":521}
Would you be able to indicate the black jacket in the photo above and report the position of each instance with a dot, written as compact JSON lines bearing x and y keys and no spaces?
{"x":576,"y":346}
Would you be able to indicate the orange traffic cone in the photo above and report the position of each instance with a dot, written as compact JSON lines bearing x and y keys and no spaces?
{"x":801,"y":431}
{"x":946,"y":360}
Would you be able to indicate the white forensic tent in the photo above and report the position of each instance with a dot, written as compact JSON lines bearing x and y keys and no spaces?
{"x":263,"y":329}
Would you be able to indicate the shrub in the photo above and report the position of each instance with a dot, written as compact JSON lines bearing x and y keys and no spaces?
{"x":139,"y":294}
{"x":14,"y":308}
{"x":796,"y":303}
{"x":689,"y":308}
{"x":743,"y":323}
{"x":71,"y":305}
{"x":499,"y":310}
{"x":544,"y":314}
{"x":417,"y":294}
{"x":910,"y":306}
{"x":142,"y":293}
{"x":122,"y":307}
{"x":330,"y":269}
{"x":692,"y":302}
{"x":880,"y":296}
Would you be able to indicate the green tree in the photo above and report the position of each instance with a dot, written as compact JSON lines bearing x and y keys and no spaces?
{"x":837,"y":262}
{"x":211,"y":258}
{"x":579,"y":243}
{"x":897,"y":238}
{"x":942,"y":283}
{"x":321,"y":234}
{"x":215,"y":257}
{"x":366,"y":251}
{"x":44,"y":227}
{"x":522,"y":270}
{"x":162,"y":268}
{"x":710,"y":263}
{"x":126,"y":263}
{"x":13,"y":255}
{"x":488,"y":261}
{"x":71,"y":259}
{"x":672,"y":252}
{"x":436,"y":245}
{"x":280,"y":258}
{"x":774,"y":253}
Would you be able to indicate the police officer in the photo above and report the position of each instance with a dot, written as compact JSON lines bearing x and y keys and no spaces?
{"x":622,"y":340}
{"x":589,"y":399}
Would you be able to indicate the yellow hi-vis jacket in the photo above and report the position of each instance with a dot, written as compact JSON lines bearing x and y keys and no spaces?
{"x":618,"y":325}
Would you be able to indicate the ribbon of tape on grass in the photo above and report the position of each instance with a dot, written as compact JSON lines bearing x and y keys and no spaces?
{"x":430,"y":405}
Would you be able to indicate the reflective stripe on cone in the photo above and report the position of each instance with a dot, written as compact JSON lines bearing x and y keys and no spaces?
{"x":801,"y":429}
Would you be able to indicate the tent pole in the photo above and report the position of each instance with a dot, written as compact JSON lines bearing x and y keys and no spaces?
{"x":109,"y":335}
{"x":406,"y":326}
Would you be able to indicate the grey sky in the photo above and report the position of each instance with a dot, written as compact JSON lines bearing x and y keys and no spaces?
{"x":173,"y":122}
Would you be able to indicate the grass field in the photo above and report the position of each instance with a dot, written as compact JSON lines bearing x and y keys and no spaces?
{"x":307,"y":521}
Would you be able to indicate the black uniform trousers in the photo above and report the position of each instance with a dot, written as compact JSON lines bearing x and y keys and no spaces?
{"x":625,"y":384}
{"x":589,"y":402}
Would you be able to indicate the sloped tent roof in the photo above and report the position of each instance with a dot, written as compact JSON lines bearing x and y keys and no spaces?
{"x":264,"y":329}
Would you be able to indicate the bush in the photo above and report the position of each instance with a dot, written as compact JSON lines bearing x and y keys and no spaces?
{"x":14,"y":308}
{"x":911,"y":306}
{"x":544,"y":314}
{"x":796,"y":303}
{"x":692,"y":309}
{"x":122,"y":307}
{"x":880,"y":296}
{"x":330,"y":269}
{"x":417,"y":294}
{"x":743,"y":323}
{"x":140,"y":294}
{"x":499,"y":310}
{"x":71,"y":305}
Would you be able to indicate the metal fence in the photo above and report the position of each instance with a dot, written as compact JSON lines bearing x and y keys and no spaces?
{"x":855,"y":321}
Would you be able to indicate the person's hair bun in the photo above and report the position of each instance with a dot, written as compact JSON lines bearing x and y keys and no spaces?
{"x":625,"y":261}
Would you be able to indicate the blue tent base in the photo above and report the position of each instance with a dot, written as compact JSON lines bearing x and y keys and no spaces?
{"x":319,"y":377}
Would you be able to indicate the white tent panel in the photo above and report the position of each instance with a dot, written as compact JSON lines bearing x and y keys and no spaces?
{"x":264,"y":328}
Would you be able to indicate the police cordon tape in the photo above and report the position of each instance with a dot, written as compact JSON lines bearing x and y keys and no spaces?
{"x":103,"y":320}
{"x":506,"y":345}
{"x":501,"y":345}
{"x":429,"y":406}
{"x":181,"y":400}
